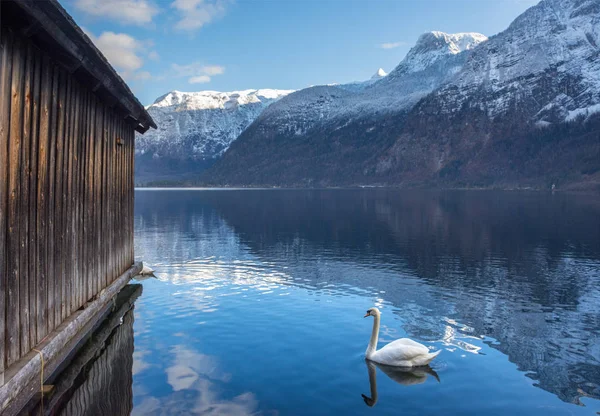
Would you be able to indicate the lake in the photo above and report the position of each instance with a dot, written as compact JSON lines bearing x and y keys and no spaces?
{"x":259,"y":302}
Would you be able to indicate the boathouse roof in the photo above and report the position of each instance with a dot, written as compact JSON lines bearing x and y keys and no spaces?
{"x":52,"y":29}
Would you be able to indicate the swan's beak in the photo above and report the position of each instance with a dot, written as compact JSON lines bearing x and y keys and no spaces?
{"x":368,"y":314}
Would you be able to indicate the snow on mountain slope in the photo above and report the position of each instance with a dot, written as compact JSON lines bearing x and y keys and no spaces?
{"x":459,"y":110}
{"x":379,"y":74}
{"x":547,"y":62}
{"x":358,"y":86}
{"x":433,"y":60}
{"x":435,"y":46}
{"x":202,"y":125}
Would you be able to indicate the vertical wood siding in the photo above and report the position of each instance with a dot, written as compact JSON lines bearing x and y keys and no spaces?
{"x":66,"y":195}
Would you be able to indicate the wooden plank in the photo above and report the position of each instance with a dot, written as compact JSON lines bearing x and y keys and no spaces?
{"x":81,"y":190}
{"x":85,"y":161}
{"x":123,"y":195}
{"x":120,"y":197}
{"x":51,"y":239}
{"x":113,"y":197}
{"x":97,"y":199}
{"x":126,"y":215}
{"x":101,"y":202}
{"x":24,"y":204}
{"x":131,"y":195}
{"x":66,"y":218}
{"x":73,"y":194}
{"x":58,"y":200}
{"x":108,"y":240}
{"x":95,"y":214}
{"x":14,"y":169}
{"x":33,"y":202}
{"x":129,"y":187}
{"x":89,"y":199}
{"x":114,"y":203}
{"x":104,"y":199}
{"x":42,"y":198}
{"x":5,"y":101}
{"x":101,"y":270}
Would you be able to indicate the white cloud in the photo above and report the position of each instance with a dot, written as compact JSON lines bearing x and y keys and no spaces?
{"x":196,"y":13}
{"x":153,"y":55}
{"x":120,"y":49}
{"x":213,"y":69}
{"x":123,"y":52}
{"x":136,"y":12}
{"x":200,"y":79}
{"x":196,"y":72}
{"x":142,"y":76}
{"x":392,"y":45}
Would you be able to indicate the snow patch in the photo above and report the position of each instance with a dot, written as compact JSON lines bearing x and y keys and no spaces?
{"x":583,"y":112}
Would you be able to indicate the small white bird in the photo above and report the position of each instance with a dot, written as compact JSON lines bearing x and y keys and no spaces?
{"x":147,"y":271}
{"x":403,"y":352}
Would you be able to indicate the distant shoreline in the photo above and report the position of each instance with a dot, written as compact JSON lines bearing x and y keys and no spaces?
{"x":592,"y":189}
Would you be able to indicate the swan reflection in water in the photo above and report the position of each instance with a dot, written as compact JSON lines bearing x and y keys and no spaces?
{"x":404,"y":376}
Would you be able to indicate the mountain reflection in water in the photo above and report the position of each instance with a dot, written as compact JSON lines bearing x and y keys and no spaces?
{"x":519,"y":271}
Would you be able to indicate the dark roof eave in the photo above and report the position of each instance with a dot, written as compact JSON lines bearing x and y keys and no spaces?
{"x":54,"y":19}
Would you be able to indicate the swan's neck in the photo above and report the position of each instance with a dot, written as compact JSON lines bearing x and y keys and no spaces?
{"x":374,"y":337}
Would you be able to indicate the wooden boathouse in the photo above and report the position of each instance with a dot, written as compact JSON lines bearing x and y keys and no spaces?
{"x":67,"y":125}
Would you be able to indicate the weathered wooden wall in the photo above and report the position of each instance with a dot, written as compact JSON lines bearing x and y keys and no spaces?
{"x":66,"y":195}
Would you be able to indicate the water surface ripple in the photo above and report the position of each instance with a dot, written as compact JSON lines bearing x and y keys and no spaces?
{"x":259,"y":302}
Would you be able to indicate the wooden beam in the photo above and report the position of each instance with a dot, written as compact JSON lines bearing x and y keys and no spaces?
{"x":32,"y":29}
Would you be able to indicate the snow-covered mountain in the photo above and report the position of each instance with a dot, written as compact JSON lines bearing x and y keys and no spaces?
{"x":194,"y":129}
{"x":435,"y":57}
{"x":459,"y":110}
{"x":548,"y":61}
{"x":202,"y":124}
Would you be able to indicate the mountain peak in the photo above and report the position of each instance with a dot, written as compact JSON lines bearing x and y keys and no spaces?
{"x":452,"y":43}
{"x":432,"y":46}
{"x":379,"y":74}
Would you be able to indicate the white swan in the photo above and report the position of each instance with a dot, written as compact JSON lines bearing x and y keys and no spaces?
{"x":403,"y":352}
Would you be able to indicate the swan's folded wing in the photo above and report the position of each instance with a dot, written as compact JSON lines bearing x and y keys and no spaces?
{"x":403,"y":349}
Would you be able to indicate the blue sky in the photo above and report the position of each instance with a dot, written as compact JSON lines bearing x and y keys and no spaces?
{"x":226,"y":45}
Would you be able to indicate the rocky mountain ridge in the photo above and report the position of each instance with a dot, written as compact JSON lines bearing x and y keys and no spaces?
{"x":517,"y":110}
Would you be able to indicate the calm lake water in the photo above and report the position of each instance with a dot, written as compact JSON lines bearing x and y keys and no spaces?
{"x":259,"y":304}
